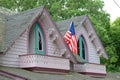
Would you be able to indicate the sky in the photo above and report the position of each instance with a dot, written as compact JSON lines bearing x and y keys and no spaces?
{"x":112,"y":8}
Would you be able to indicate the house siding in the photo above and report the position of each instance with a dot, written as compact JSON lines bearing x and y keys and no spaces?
{"x":32,"y":40}
{"x":52,"y":48}
{"x":92,"y":56}
{"x":11,"y":57}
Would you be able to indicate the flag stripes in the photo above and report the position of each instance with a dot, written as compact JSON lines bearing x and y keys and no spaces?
{"x":70,"y":39}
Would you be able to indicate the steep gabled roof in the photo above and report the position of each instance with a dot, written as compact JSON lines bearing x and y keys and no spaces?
{"x":81,"y":20}
{"x":2,"y":29}
{"x":64,"y":25}
{"x":16,"y":24}
{"x":3,"y":14}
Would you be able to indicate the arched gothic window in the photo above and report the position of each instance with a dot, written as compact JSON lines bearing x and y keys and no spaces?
{"x":82,"y":47}
{"x":39,"y":40}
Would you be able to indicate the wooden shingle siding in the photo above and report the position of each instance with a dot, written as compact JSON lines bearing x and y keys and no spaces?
{"x":32,"y":40}
{"x":11,"y":58}
{"x":9,"y":61}
{"x":16,"y":24}
{"x":92,"y":55}
{"x":52,"y":48}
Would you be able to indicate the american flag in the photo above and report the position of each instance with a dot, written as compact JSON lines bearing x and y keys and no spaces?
{"x":71,"y":40}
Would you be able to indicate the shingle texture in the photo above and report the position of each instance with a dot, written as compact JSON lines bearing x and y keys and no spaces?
{"x":4,"y":78}
{"x":2,"y":29}
{"x":13,"y":25}
{"x":16,"y":24}
{"x":44,"y":76}
{"x":64,"y":25}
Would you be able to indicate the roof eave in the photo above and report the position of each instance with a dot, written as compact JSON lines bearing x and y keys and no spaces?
{"x":104,"y":54}
{"x":72,"y":58}
{"x":29,"y":24}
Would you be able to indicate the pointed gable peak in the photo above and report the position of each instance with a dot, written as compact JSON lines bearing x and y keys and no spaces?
{"x":85,"y":21}
{"x":94,"y":37}
{"x":16,"y":25}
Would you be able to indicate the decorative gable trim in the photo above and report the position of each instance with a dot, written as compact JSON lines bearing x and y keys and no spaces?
{"x":94,"y":37}
{"x":27,"y":25}
{"x":70,"y":54}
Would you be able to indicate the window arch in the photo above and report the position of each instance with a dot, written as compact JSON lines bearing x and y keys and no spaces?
{"x":39,"y":40}
{"x":82,"y":48}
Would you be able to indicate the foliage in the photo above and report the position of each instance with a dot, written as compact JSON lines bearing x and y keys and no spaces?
{"x":113,"y":47}
{"x":64,"y":9}
{"x":115,"y":34}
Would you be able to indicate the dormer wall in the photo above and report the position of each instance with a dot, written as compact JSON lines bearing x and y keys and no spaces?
{"x":11,"y":56}
{"x":91,"y":52}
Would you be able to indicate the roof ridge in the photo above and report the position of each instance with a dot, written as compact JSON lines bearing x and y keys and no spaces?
{"x":26,"y":11}
{"x":72,"y":18}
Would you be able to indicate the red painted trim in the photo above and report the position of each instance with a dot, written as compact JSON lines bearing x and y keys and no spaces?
{"x":43,"y":55}
{"x":27,"y":29}
{"x":75,"y":61}
{"x":96,"y":64}
{"x":41,"y":25}
{"x":30,"y":26}
{"x":11,"y":75}
{"x":47,"y":70}
{"x":90,"y":63}
{"x":46,"y":41}
{"x":104,"y":54}
{"x":93,"y":74}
